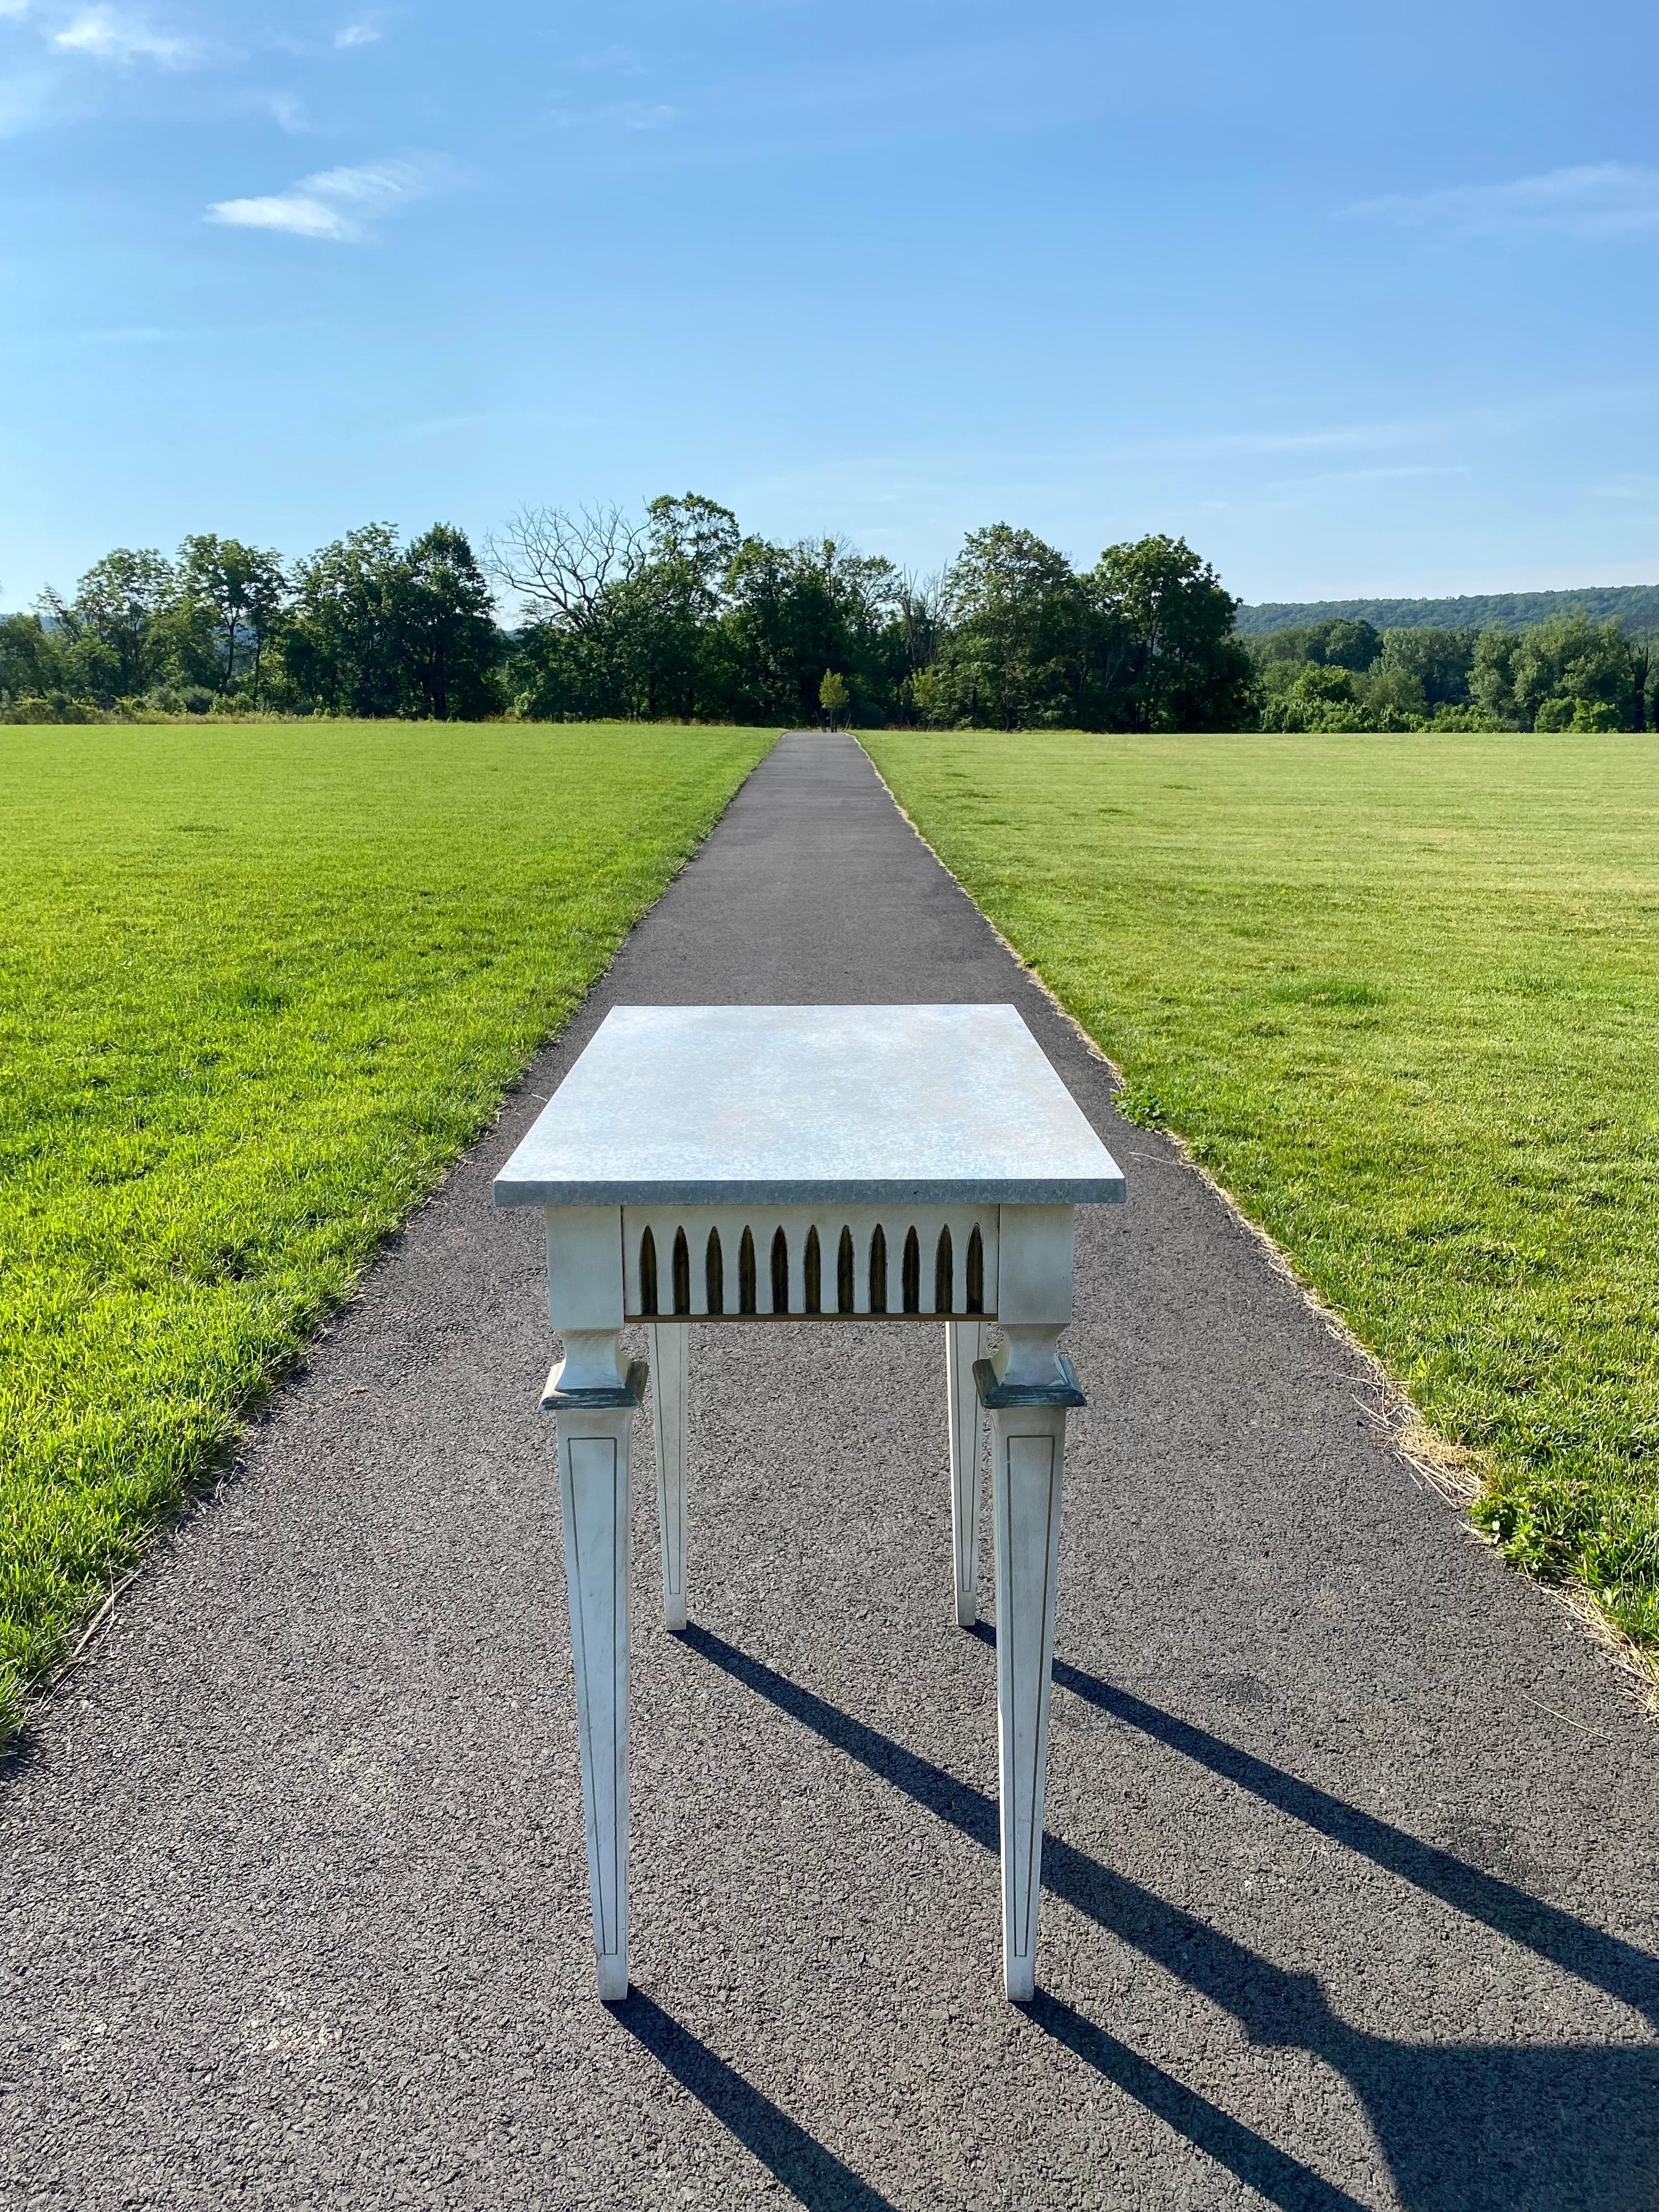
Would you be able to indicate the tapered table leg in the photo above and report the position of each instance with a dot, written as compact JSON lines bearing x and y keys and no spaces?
{"x":1027,"y":1392}
{"x":593,"y":1469}
{"x":668,"y":1368}
{"x":1028,"y":1449}
{"x":964,"y":1343}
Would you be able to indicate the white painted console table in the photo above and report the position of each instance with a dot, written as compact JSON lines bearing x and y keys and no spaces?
{"x":747,"y":1164}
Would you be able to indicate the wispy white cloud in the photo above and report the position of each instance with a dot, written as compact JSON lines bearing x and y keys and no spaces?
{"x":364,"y":33}
{"x":112,"y":34}
{"x":622,"y":114}
{"x":1605,"y":199}
{"x":340,"y":205}
{"x":287,"y":110}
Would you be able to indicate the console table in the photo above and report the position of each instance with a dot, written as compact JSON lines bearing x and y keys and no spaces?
{"x":724,"y":1164}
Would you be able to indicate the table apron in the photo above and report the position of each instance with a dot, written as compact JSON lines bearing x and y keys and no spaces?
{"x":738,"y":1262}
{"x":609,"y":1265}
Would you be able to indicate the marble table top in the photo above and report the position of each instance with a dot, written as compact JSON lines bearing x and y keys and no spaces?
{"x":763,"y":1105}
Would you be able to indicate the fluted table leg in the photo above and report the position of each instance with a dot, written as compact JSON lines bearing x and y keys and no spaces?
{"x":593,"y":1426}
{"x":1028,"y":1392}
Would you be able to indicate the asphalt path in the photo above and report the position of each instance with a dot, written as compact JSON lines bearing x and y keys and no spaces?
{"x":1352,"y":1889}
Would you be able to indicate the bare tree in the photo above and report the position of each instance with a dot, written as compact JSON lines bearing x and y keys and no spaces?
{"x":921,"y":604}
{"x":559,"y":564}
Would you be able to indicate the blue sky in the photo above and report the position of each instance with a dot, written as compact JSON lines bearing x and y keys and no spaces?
{"x":1361,"y":302}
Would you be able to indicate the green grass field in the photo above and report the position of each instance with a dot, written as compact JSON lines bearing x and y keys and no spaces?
{"x":1401,"y":997}
{"x":258,"y":985}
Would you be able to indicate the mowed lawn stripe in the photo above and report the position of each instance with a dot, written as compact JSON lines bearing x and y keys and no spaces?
{"x":1401,"y":996}
{"x":258,"y":984}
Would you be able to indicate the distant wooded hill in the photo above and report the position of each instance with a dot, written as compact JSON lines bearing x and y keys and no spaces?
{"x":1634,"y":607}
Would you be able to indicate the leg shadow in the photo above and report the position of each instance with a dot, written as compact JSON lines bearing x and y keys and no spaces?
{"x":1283,"y":2179}
{"x":1604,"y":1961}
{"x":813,"y":2175}
{"x":1465,"y":2128}
{"x":1261,"y":2165}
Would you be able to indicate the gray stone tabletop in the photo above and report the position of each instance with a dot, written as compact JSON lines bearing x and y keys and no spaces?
{"x":762,"y":1105}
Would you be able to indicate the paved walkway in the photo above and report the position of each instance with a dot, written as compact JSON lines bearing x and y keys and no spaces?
{"x":1353,"y":1894}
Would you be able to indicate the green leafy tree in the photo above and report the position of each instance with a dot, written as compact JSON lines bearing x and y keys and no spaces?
{"x":1438,"y":661}
{"x":1346,"y":643}
{"x":1465,"y":718}
{"x":1316,"y":697}
{"x":793,"y":610}
{"x":31,"y":658}
{"x":1392,"y":696}
{"x":1312,"y":694}
{"x":1275,"y":646}
{"x":1641,"y":669}
{"x":116,"y":647}
{"x":1538,"y":678}
{"x":1164,"y":655}
{"x":671,"y":612}
{"x":696,"y":535}
{"x":446,"y":639}
{"x":544,"y":674}
{"x":186,"y":656}
{"x":1491,"y":674}
{"x":1340,"y":642}
{"x":341,"y":647}
{"x":1570,"y":658}
{"x":834,"y":697}
{"x":926,"y":698}
{"x":244,"y":590}
{"x":1579,"y":716}
{"x":1015,"y":624}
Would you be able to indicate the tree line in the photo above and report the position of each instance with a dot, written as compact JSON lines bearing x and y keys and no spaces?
{"x":365,"y":626}
{"x":676,"y":613}
{"x":1567,"y":672}
{"x":1634,"y":607}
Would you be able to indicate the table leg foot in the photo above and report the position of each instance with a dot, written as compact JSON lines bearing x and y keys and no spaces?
{"x":593,"y":1493}
{"x":964,"y":1343}
{"x":1028,"y":1453}
{"x":668,"y":1372}
{"x":612,"y":1975}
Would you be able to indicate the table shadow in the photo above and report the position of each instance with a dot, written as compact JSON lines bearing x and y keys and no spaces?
{"x":809,"y":2172}
{"x":1605,"y":1961}
{"x":1464,"y":2127}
